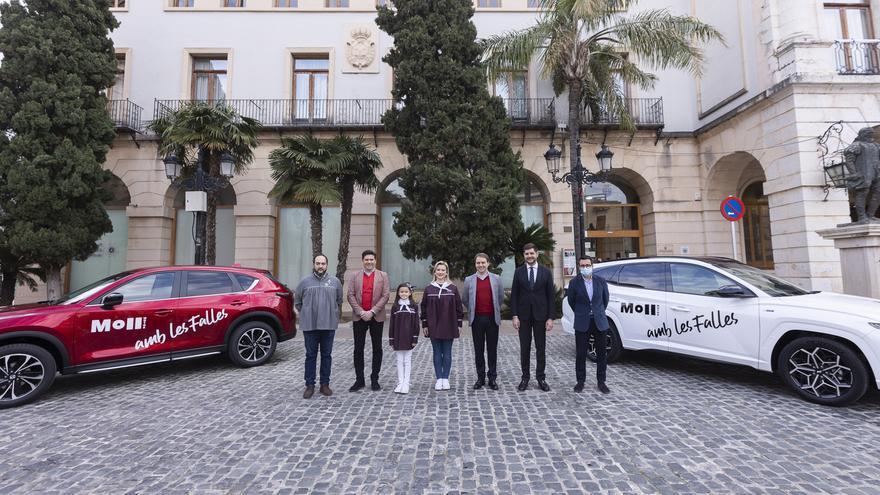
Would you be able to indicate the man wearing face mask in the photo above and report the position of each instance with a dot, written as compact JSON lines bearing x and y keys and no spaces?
{"x":588,"y":297}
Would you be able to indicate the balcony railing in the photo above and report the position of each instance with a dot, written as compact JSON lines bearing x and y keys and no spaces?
{"x":857,"y":56}
{"x":530,"y":111}
{"x":125,"y":115}
{"x":645,"y":112}
{"x":350,"y":112}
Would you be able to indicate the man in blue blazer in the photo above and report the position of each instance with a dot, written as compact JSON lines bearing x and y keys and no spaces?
{"x":588,"y":297}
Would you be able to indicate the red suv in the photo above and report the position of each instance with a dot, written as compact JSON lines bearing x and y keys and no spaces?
{"x":144,"y":316}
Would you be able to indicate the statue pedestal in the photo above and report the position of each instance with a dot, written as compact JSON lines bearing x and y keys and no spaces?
{"x":859,"y":247}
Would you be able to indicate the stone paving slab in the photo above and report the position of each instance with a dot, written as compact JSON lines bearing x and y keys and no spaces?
{"x":670,"y":425}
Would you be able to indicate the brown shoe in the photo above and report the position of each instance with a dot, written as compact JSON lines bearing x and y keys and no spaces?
{"x":309,"y":392}
{"x":325,"y":390}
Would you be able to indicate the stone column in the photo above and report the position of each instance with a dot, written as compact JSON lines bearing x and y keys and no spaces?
{"x":149,"y":236}
{"x":859,"y":247}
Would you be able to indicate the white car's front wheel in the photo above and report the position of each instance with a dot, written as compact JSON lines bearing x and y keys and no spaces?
{"x":823,"y":371}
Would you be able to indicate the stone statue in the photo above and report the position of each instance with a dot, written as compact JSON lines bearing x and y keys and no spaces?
{"x":863,"y":174}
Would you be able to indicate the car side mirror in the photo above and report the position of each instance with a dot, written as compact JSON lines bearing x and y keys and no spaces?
{"x":111,"y":300}
{"x":732,"y":291}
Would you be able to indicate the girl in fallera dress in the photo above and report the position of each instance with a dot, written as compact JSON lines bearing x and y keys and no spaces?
{"x":403,"y":334}
{"x":441,"y":319}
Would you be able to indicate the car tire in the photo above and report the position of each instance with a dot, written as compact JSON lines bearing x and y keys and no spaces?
{"x":614,"y":346}
{"x":252,"y":343}
{"x":823,"y":371}
{"x":26,"y":372}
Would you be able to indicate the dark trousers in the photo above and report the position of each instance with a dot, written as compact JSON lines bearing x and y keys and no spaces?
{"x":582,"y":343}
{"x":527,"y":329}
{"x":485,"y":333}
{"x":360,"y":339}
{"x":315,"y":340}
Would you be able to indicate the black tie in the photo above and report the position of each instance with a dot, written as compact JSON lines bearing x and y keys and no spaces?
{"x":531,"y":277}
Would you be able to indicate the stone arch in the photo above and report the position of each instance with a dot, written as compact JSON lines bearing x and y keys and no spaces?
{"x":120,"y":197}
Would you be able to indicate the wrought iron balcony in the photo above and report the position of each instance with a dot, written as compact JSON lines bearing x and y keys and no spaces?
{"x":857,"y":57}
{"x":125,"y":115}
{"x":350,"y":113}
{"x":645,"y":112}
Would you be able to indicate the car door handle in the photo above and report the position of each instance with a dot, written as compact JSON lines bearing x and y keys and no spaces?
{"x":680,"y":308}
{"x":237,"y":303}
{"x":162,"y":312}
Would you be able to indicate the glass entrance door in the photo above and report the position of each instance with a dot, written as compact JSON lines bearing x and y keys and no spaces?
{"x":614,"y":231}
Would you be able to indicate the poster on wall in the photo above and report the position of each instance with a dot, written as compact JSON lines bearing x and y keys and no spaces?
{"x":568,"y":263}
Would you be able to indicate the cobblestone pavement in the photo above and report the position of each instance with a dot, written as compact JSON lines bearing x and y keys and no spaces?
{"x":669,"y":426}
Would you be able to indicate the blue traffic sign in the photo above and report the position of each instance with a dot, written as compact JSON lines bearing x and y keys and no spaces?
{"x":732,"y":209}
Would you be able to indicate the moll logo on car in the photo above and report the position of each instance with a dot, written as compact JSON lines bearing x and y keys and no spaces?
{"x":645,"y":309}
{"x":120,"y":324}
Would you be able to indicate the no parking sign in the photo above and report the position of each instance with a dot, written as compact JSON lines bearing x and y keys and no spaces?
{"x":732,"y":209}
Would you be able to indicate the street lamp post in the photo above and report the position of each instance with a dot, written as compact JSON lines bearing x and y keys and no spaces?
{"x":200,"y":184}
{"x":576,"y":178}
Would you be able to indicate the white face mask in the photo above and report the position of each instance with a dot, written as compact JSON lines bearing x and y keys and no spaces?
{"x":587,"y":271}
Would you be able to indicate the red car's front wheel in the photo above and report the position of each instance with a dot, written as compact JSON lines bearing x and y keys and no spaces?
{"x":26,"y":372}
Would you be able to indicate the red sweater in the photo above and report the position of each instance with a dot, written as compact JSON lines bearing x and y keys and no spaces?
{"x":367,"y":294}
{"x":484,"y":306}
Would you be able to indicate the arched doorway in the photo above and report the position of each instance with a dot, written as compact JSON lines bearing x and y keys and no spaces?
{"x":183,"y":247}
{"x":739,"y":174}
{"x":112,"y":253}
{"x":614,"y":220}
{"x":293,"y":241}
{"x":756,"y":227}
{"x":533,"y":210}
{"x":391,"y":259}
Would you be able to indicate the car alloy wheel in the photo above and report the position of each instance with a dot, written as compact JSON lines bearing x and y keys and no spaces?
{"x":819,"y":372}
{"x":613,"y":346}
{"x":20,"y":375}
{"x":254,"y":344}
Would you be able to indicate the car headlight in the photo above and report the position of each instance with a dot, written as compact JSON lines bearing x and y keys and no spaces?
{"x":874,"y":324}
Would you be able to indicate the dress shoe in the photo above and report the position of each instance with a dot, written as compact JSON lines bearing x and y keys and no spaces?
{"x":309,"y":392}
{"x":375,"y":386}
{"x":604,"y":388}
{"x":523,"y":385}
{"x":479,"y":384}
{"x":357,"y":386}
{"x":579,"y":387}
{"x":543,"y":385}
{"x":493,"y":385}
{"x":325,"y":390}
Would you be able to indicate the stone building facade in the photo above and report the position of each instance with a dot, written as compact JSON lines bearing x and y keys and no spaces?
{"x":747,"y":126}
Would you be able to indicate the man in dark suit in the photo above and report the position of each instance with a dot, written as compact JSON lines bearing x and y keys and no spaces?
{"x":588,"y":297}
{"x":533,"y":305}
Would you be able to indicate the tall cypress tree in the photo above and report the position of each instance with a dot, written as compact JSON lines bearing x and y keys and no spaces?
{"x":463,"y":177}
{"x":57,"y":60}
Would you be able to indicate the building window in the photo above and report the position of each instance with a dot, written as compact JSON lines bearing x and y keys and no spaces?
{"x":285,"y":3}
{"x":183,"y":3}
{"x":512,"y":87}
{"x":209,"y":78}
{"x":850,"y":19}
{"x":489,"y":3}
{"x":756,"y":224}
{"x":310,"y":87}
{"x":117,"y":4}
{"x":233,"y":3}
{"x":115,"y":91}
{"x":337,"y":3}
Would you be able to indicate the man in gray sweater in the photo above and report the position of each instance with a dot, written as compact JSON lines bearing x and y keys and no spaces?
{"x":318,"y":299}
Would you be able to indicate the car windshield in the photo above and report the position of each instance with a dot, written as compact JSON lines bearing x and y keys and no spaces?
{"x":78,"y":295}
{"x":770,"y":284}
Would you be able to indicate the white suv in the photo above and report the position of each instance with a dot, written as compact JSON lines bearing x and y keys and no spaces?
{"x":825,"y":346}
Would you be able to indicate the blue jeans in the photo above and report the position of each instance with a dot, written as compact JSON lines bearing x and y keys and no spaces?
{"x":315,"y":339}
{"x":442,"y":357}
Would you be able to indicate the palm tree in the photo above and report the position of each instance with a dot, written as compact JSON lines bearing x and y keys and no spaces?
{"x":215,"y":128}
{"x":360,"y":164}
{"x":582,"y":45}
{"x":536,"y":234}
{"x":305,"y":170}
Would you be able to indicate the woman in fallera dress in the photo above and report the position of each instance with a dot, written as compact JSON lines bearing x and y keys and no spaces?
{"x":441,"y":314}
